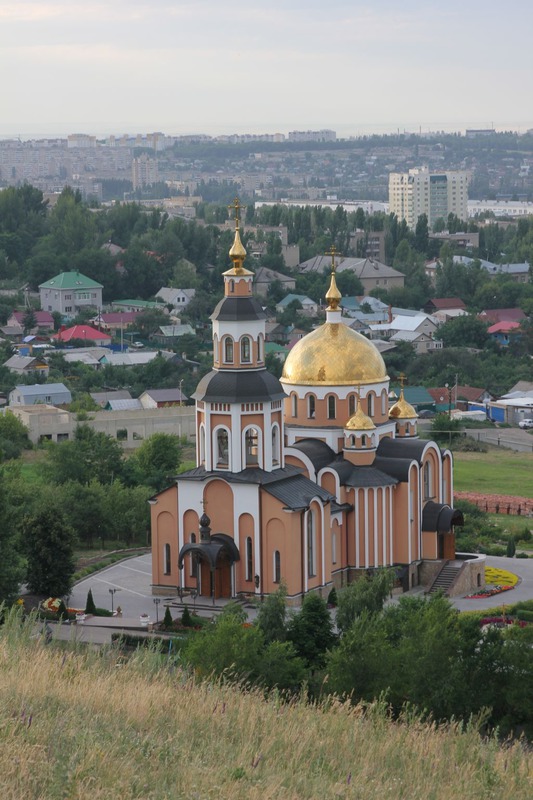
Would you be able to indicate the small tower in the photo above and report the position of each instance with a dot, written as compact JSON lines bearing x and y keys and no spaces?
{"x":404,"y":415}
{"x":360,"y":441}
{"x":239,"y":404}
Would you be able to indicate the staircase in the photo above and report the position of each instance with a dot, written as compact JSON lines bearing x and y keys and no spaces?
{"x":445,"y":579}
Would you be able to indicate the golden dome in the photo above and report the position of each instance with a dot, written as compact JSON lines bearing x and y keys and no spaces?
{"x":237,"y":252}
{"x":333,"y":296}
{"x":359,"y":421}
{"x":334,"y":355}
{"x":402,"y":409}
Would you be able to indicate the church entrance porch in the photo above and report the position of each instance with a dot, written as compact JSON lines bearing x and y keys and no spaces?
{"x":215,"y":555}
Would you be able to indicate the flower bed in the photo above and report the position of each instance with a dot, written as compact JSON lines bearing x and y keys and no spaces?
{"x":500,"y":577}
{"x":500,"y":622}
{"x":490,"y":591}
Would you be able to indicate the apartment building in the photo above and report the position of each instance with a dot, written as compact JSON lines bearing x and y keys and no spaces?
{"x":436,"y":194}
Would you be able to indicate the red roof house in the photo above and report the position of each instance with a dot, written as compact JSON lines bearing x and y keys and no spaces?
{"x":85,"y":333}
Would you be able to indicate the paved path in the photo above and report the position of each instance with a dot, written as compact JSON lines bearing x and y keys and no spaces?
{"x":511,"y":438}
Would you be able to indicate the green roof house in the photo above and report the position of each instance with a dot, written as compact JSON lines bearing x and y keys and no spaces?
{"x":68,"y":292}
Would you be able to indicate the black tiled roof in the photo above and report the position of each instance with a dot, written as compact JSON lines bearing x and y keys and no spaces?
{"x":238,"y":309}
{"x":319,"y":453}
{"x":249,"y":475}
{"x":397,"y":467}
{"x":225,"y":386}
{"x":351,"y":475}
{"x":401,"y":448}
{"x":440,"y":517}
{"x":296,"y":493}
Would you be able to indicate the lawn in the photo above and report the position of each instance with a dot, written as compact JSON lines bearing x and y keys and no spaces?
{"x":496,"y":472}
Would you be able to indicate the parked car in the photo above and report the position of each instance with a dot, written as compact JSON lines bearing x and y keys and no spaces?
{"x":525,"y":423}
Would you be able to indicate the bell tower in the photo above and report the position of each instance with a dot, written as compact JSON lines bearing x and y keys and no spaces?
{"x":239,"y":412}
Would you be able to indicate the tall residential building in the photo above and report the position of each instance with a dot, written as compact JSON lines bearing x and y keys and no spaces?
{"x":436,"y":194}
{"x":144,"y":171}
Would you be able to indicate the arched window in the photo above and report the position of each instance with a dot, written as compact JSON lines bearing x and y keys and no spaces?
{"x":228,"y":350}
{"x":232,"y":286}
{"x":333,"y":548}
{"x":277,"y":567}
{"x":332,"y":407}
{"x":352,"y":440}
{"x":384,"y":399}
{"x":311,"y":400}
{"x":311,"y":544}
{"x":260,"y":347}
{"x":194,"y":560}
{"x":222,"y":448}
{"x":363,"y":440}
{"x":294,"y":404}
{"x":351,"y":405}
{"x":251,"y":447}
{"x":166,"y":559}
{"x":245,"y":350}
{"x":275,"y":445}
{"x":370,"y":405}
{"x":216,"y":354}
{"x":202,"y":444}
{"x":427,"y":481}
{"x":249,"y":559}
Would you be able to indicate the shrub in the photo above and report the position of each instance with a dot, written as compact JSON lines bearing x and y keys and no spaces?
{"x":167,"y":619}
{"x":525,"y":536}
{"x":521,"y":555}
{"x":511,"y":548}
{"x":90,"y":607}
{"x":102,"y":612}
{"x":186,"y":619}
{"x":526,"y":616}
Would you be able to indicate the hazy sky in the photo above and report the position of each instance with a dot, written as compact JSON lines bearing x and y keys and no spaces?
{"x":242,"y":65}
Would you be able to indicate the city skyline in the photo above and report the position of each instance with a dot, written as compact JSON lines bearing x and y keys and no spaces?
{"x":239,"y":67}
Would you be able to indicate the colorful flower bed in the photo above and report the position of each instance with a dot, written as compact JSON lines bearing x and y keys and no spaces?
{"x":490,"y":591}
{"x":500,"y":577}
{"x":499,"y":622}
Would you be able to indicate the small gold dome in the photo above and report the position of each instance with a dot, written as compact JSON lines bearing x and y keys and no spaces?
{"x":359,"y":421}
{"x":237,"y":252}
{"x":402,"y":409}
{"x":333,"y":296}
{"x":334,"y":355}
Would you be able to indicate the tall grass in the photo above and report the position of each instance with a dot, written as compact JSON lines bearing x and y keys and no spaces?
{"x":79,"y":724}
{"x":499,"y":471}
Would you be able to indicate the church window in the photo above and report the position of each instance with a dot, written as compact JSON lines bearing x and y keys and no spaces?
{"x":352,"y":440}
{"x":277,"y":566}
{"x":202,"y":444}
{"x":245,"y":350}
{"x":228,"y":350}
{"x":311,"y":544}
{"x":251,"y":445}
{"x":351,"y":405}
{"x":222,"y":448}
{"x":331,"y":407}
{"x":249,"y":559}
{"x":311,"y":400}
{"x":427,"y":481}
{"x":232,"y":286}
{"x":166,"y":559}
{"x":194,"y":559}
{"x":260,"y":347}
{"x":333,"y":548}
{"x":383,"y":403}
{"x":370,"y":405}
{"x":294,"y":404}
{"x":275,"y":445}
{"x":363,"y":440}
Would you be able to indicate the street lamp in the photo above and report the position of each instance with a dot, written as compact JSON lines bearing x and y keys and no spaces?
{"x":157,"y":600}
{"x":112,"y":593}
{"x":449,"y":388}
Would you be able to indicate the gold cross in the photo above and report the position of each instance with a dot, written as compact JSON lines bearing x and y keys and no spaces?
{"x":333,"y":252}
{"x":236,"y":206}
{"x":402,"y":379}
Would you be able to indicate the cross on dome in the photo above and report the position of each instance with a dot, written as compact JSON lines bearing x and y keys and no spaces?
{"x":333,"y":295}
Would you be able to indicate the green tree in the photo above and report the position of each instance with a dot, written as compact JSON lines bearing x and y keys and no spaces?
{"x":11,"y":562}
{"x":226,"y":648}
{"x":90,"y":455}
{"x":157,"y":459}
{"x":464,"y":331}
{"x":90,"y":607}
{"x":364,"y":596}
{"x":13,"y":436}
{"x":511,"y":547}
{"x":444,"y":429}
{"x":49,"y":543}
{"x":272,"y":616}
{"x":311,"y":632}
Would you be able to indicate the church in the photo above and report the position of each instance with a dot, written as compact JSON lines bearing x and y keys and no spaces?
{"x":313,"y":479}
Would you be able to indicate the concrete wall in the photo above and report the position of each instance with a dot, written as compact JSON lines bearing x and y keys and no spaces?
{"x":139,"y":424}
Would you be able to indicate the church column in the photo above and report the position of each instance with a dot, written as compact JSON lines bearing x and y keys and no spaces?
{"x":367,"y":560}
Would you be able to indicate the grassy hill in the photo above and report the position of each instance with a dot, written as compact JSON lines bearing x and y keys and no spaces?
{"x":80,"y":723}
{"x":498,"y":471}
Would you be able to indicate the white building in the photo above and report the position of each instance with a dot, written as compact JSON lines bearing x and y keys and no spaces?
{"x":436,"y":194}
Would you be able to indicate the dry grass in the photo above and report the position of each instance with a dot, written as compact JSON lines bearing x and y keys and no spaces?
{"x":85,"y":724}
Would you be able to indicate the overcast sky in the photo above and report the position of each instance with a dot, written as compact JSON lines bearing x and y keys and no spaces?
{"x":211,"y":66}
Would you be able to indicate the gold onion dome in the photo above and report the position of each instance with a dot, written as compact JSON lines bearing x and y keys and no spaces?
{"x":359,"y":421}
{"x":237,"y":252}
{"x":333,"y":296}
{"x":334,"y":355}
{"x":402,"y":409}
